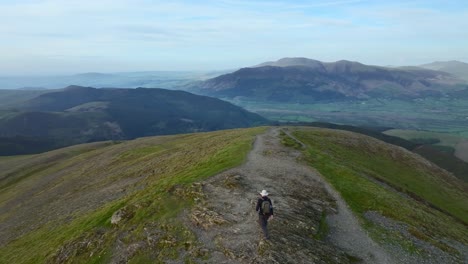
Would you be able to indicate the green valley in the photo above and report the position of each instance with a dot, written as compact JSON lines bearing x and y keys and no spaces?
{"x":446,"y":116}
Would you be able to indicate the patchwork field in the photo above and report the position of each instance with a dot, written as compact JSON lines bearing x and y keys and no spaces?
{"x":445,"y":139}
{"x":455,"y":144}
{"x":441,"y":115}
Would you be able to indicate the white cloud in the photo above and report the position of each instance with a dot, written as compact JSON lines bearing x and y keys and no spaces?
{"x":223,"y":34}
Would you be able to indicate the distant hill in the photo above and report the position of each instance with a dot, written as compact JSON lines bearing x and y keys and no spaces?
{"x":14,"y":98}
{"x":301,"y":80}
{"x":456,"y":68}
{"x":84,"y":114}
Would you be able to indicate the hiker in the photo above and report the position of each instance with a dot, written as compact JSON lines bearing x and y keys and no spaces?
{"x":265,"y":212}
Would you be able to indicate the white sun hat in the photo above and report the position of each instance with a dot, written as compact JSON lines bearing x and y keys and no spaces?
{"x":264,"y":193}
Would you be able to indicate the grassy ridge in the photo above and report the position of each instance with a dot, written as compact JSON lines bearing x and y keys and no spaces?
{"x":438,"y":154}
{"x":158,"y":171}
{"x":352,"y":163}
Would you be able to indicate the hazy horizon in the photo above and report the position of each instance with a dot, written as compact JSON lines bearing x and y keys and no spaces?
{"x":181,"y":70}
{"x":52,"y":37}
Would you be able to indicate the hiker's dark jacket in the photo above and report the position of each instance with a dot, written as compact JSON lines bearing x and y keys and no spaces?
{"x":259,"y":205}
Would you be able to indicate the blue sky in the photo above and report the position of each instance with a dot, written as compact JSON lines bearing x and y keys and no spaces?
{"x":69,"y":36}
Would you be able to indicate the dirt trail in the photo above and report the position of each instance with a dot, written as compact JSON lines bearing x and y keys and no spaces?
{"x":300,"y":197}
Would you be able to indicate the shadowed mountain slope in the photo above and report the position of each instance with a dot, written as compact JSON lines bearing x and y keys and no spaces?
{"x":83,"y":114}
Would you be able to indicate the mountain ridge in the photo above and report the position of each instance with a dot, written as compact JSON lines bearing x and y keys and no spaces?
{"x":311,"y":63}
{"x":454,"y":67}
{"x":303,"y":80}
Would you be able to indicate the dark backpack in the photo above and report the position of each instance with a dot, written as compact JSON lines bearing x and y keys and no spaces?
{"x":266,"y":207}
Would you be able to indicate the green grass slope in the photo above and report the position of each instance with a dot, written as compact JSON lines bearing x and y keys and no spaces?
{"x":56,"y":207}
{"x":373,"y":176}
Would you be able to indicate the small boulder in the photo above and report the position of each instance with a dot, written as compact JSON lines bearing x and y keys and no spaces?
{"x":121,"y":214}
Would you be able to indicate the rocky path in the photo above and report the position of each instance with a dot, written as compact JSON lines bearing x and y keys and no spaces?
{"x":226,"y":225}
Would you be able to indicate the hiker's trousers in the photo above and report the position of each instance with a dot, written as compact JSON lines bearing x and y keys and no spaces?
{"x":263,"y":221}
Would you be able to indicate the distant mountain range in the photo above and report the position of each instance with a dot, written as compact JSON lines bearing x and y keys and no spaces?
{"x":149,"y":79}
{"x":302,"y":80}
{"x":456,"y":68}
{"x":290,"y":89}
{"x":83,"y":114}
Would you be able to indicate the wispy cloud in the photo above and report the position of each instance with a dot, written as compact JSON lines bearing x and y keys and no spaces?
{"x":291,"y":4}
{"x":211,"y":34}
